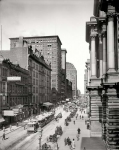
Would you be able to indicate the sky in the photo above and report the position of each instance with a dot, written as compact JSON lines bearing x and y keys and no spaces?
{"x":65,"y":18}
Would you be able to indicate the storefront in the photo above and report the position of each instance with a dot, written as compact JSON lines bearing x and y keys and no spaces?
{"x":2,"y":120}
{"x":13,"y":115}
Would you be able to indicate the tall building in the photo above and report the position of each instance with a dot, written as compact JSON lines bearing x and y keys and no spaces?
{"x":71,"y":75}
{"x":50,"y":48}
{"x":63,"y":73}
{"x":85,"y":82}
{"x":40,"y":71}
{"x":69,"y":92}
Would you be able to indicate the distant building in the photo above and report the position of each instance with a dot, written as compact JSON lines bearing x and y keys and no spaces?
{"x":85,"y":82}
{"x":63,"y":74}
{"x":78,"y":93}
{"x":71,"y":73}
{"x":69,"y":89}
{"x":50,"y":48}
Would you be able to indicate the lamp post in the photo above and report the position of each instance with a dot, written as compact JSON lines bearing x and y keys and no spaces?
{"x":40,"y":136}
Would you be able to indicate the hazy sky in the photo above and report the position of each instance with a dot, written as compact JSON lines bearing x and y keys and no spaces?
{"x":65,"y":18}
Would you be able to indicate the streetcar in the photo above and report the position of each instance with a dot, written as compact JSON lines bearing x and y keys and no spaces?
{"x":41,"y":120}
{"x":32,"y":126}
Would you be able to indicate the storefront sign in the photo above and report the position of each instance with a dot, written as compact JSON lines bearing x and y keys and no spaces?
{"x":8,"y":113}
{"x":14,"y":78}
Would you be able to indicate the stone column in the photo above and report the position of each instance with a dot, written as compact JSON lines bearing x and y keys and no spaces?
{"x":93,"y":57}
{"x":100,"y":56}
{"x":110,"y":44}
{"x":117,"y":41}
{"x":88,"y":75}
{"x":104,"y":50}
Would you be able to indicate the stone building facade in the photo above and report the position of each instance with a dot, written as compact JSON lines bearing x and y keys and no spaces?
{"x":14,"y":94}
{"x":102,"y":36}
{"x":40,"y":71}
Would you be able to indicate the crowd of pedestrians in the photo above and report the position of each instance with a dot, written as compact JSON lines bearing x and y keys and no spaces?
{"x":68,"y":141}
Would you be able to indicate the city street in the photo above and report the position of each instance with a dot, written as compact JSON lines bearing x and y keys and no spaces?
{"x":19,"y":139}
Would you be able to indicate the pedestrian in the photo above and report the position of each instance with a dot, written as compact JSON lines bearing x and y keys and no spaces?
{"x":47,"y":139}
{"x":3,"y":129}
{"x":74,"y":121}
{"x":85,"y":121}
{"x":10,"y":127}
{"x":78,"y":130}
{"x":68,"y":139}
{"x":57,"y":146}
{"x":73,"y":144}
{"x":17,"y":124}
{"x":84,"y":148}
{"x":70,"y":144}
{"x":65,"y":141}
{"x":82,"y":117}
{"x":77,"y":136}
{"x":3,"y":137}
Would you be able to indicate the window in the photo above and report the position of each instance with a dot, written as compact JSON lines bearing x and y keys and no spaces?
{"x":33,"y":73}
{"x":33,"y":89}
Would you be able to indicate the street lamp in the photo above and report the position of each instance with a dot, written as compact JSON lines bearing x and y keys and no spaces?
{"x":40,"y":136}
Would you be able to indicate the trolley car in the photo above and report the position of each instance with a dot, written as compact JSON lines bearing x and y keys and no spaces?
{"x":32,"y":126}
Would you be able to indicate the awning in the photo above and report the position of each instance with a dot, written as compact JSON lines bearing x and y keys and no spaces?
{"x":47,"y":104}
{"x":17,"y":106}
{"x":1,"y":119}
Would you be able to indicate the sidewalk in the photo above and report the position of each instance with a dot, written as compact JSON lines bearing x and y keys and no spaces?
{"x":71,"y":131}
{"x":7,"y":130}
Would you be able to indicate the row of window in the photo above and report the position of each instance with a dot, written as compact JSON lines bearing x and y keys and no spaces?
{"x":41,"y":90}
{"x":18,"y":89}
{"x":18,"y":100}
{"x":41,"y":98}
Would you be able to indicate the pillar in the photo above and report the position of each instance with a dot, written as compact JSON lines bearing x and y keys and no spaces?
{"x":100,"y":56}
{"x":93,"y":57}
{"x":110,"y":44}
{"x":104,"y":53}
